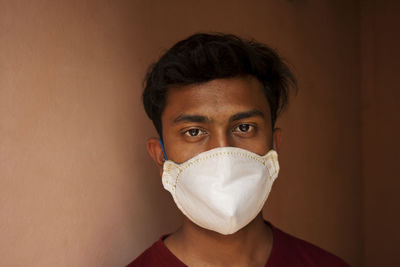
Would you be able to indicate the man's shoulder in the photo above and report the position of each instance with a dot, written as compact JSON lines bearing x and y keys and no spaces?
{"x":288,"y":250}
{"x":146,"y":258}
{"x":156,"y":255}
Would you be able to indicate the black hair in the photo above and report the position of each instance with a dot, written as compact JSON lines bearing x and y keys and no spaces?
{"x":203,"y":57}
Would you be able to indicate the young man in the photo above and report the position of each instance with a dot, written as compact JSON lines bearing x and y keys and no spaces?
{"x":214,"y":100}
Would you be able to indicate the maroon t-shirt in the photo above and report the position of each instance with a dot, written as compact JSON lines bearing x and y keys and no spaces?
{"x":286,"y":250}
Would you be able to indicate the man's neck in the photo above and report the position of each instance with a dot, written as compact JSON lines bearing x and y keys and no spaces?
{"x":196,"y":246}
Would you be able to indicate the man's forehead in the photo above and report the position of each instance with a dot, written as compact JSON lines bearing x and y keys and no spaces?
{"x":211,"y":118}
{"x":236,"y":90}
{"x":228,"y":98}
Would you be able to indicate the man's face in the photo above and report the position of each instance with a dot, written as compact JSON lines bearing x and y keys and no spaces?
{"x":223,"y":112}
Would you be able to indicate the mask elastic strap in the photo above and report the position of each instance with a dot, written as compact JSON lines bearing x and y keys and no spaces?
{"x":163,"y":150}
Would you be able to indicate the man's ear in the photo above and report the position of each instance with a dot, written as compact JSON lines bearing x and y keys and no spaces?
{"x":155,"y":151}
{"x":277,"y":138}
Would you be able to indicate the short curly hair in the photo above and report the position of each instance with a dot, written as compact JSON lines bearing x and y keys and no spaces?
{"x":203,"y":57}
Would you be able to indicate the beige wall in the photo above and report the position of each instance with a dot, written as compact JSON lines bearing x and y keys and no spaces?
{"x":381,"y":131}
{"x":76,"y":185}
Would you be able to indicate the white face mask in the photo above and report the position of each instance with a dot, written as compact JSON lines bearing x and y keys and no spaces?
{"x":222,"y":189}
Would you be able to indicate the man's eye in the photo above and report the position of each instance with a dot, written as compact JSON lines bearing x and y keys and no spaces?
{"x":193,"y":132}
{"x":244,"y":128}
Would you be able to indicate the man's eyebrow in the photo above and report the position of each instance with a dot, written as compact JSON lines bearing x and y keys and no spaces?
{"x":191,"y":118}
{"x":246,"y":114}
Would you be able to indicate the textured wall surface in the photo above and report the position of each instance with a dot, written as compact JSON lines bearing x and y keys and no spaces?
{"x":76,"y":185}
{"x":381,"y":130}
